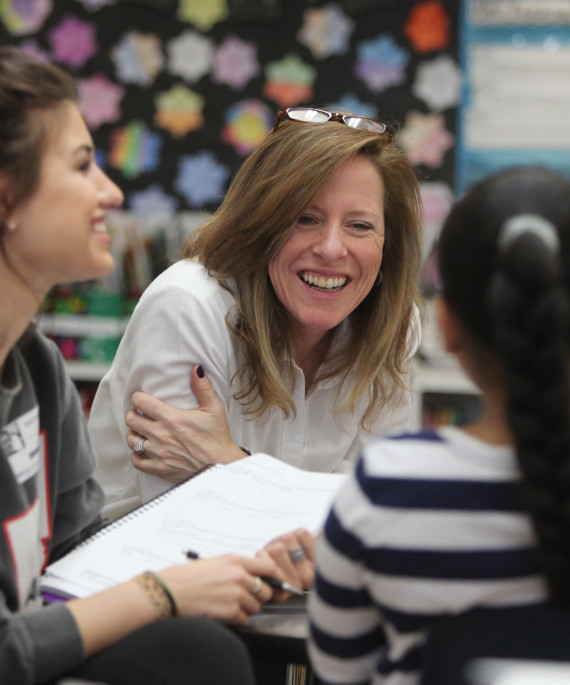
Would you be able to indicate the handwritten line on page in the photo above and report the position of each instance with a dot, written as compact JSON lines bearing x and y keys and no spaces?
{"x":235,"y":508}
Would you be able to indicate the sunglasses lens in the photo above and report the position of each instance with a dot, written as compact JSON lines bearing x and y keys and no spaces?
{"x":307,"y":115}
{"x":365,"y":124}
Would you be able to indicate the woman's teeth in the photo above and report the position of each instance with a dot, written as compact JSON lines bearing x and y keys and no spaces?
{"x":324,"y":283}
{"x":100,"y":228}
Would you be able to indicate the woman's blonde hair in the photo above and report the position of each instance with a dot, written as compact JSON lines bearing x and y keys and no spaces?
{"x":273,"y":187}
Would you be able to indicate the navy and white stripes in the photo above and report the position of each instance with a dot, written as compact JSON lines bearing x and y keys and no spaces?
{"x":428,"y":524}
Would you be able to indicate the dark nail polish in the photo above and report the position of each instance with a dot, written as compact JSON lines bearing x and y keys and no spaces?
{"x":200,"y":371}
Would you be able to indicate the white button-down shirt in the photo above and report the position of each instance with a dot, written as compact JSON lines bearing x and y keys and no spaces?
{"x":180,"y":321}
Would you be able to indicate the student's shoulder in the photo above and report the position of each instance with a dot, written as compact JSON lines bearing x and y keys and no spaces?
{"x":395,"y":454}
{"x":442,"y":453}
{"x":37,"y":347}
{"x":397,"y":441}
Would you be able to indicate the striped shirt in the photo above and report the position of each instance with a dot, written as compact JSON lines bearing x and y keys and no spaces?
{"x":428,"y":525}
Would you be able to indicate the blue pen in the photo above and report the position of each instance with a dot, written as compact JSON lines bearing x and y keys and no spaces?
{"x":272,"y":582}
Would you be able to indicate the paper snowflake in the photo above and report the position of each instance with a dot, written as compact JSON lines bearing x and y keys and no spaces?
{"x":138,"y":58}
{"x":152,"y":201}
{"x":73,"y":41}
{"x":179,"y":110}
{"x":247,"y":123}
{"x":190,"y":56}
{"x":425,"y":139}
{"x":235,"y":62}
{"x":381,"y":63}
{"x":203,"y":14}
{"x":438,"y":83}
{"x":99,"y":100}
{"x":326,"y":31}
{"x":201,"y":179}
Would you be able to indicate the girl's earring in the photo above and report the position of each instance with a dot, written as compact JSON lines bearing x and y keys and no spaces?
{"x":11,"y":225}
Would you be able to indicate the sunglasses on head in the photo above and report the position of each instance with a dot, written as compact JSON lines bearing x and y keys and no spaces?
{"x":308,"y":115}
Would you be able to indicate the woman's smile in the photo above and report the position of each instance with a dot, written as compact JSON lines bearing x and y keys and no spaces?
{"x":323,"y":283}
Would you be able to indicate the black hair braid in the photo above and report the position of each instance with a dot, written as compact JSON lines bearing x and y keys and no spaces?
{"x":530,"y":310}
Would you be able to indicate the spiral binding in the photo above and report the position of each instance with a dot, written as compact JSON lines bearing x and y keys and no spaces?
{"x":142,"y":508}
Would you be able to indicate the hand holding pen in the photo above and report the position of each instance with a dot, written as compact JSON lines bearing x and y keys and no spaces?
{"x":224,"y":587}
{"x":272,"y":582}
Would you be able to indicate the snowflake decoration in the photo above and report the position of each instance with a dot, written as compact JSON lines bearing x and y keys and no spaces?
{"x":138,"y":58}
{"x":99,"y":100}
{"x":73,"y":42}
{"x":134,"y":149}
{"x":326,"y":31}
{"x":425,"y":139}
{"x":438,"y":83}
{"x":289,"y":81}
{"x":235,"y":62}
{"x":203,"y":14}
{"x":381,"y":63}
{"x":190,"y":56}
{"x":428,"y":26}
{"x":201,"y":179}
{"x":152,"y":201}
{"x":179,"y":110}
{"x":21,"y":18}
{"x":247,"y":124}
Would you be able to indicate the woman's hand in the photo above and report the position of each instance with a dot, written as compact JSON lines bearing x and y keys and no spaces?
{"x":294,"y":554}
{"x":179,"y":442}
{"x":224,"y":588}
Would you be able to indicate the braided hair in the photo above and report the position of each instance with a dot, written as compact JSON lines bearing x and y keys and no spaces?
{"x":505,"y":268}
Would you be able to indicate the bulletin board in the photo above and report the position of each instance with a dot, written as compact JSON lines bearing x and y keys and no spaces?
{"x":515,"y":56}
{"x":178,"y":92}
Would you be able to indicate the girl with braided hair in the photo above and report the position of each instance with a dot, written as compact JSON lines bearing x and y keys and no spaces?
{"x":444,"y":521}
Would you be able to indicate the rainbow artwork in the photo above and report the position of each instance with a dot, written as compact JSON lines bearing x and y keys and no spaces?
{"x":134,"y":149}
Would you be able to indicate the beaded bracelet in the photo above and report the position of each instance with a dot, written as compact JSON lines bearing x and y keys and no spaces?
{"x":159,"y":593}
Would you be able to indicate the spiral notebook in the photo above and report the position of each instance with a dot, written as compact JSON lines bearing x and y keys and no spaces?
{"x":235,"y":508}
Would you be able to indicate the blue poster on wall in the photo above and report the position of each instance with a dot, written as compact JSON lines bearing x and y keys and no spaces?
{"x":515,"y":56}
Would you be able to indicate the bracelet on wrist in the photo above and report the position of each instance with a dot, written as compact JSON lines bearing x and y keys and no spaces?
{"x":159,"y":594}
{"x":245,"y":449}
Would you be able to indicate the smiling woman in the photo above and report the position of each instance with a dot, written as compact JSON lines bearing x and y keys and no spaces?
{"x":289,"y":324}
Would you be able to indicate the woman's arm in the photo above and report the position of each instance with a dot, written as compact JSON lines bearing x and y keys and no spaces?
{"x":178,"y":322}
{"x":220,"y":588}
{"x":178,"y":442}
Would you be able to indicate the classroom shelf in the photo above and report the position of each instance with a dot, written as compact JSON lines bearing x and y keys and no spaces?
{"x":442,"y":395}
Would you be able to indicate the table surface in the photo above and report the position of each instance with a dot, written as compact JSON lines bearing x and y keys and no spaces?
{"x":288,"y":619}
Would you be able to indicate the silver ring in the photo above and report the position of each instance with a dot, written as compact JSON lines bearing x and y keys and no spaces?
{"x":257,"y":587}
{"x":139,"y":447}
{"x":297,"y":554}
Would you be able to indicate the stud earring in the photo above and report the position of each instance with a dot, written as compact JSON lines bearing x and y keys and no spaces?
{"x":11,"y":225}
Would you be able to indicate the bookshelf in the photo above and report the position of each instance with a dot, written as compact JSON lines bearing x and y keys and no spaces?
{"x":442,"y":395}
{"x":442,"y":392}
